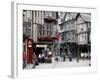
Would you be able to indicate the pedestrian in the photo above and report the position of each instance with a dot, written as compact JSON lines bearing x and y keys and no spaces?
{"x":40,"y":56}
{"x":34,"y":59}
{"x":43,"y":56}
{"x":49,"y":56}
{"x":56,"y":57}
{"x":69,"y":55}
{"x":46,"y":56}
{"x":64,"y":55}
{"x":24,"y":59}
{"x":82,"y":55}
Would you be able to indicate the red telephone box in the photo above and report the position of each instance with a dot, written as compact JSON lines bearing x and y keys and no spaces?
{"x":30,"y":50}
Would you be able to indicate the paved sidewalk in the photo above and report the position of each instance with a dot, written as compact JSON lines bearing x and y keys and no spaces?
{"x":60,"y":64}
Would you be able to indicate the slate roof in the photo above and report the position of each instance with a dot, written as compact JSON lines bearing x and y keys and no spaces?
{"x":86,"y":17}
{"x":73,"y":15}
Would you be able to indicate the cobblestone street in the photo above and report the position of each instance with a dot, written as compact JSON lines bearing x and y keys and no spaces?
{"x":60,"y":64}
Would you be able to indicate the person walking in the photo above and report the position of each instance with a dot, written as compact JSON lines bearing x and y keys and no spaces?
{"x":43,"y":56}
{"x":34,"y":59}
{"x":40,"y":56}
{"x":64,"y":55}
{"x":69,"y":55}
{"x":50,"y":56}
{"x":24,"y":59}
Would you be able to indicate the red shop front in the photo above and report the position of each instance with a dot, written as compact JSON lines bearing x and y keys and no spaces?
{"x":30,"y":50}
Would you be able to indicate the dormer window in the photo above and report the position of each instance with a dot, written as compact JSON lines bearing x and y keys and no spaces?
{"x":82,"y":29}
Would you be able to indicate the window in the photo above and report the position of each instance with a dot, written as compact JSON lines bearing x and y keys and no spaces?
{"x":47,"y":26}
{"x":40,"y":33}
{"x":43,"y":32}
{"x":50,"y":33}
{"x":62,"y":36}
{"x":68,"y":39}
{"x":82,"y":29}
{"x":40,"y":27}
{"x":73,"y":33}
{"x":68,"y":33}
{"x":50,"y":26}
{"x":62,"y":20}
{"x":47,"y":32}
{"x":43,"y":27}
{"x":61,"y":27}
